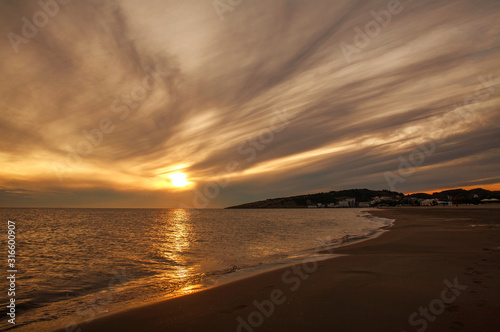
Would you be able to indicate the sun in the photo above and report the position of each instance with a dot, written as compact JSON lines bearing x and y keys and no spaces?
{"x":178,"y":179}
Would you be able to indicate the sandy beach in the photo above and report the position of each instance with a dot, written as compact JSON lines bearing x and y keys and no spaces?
{"x":436,"y":269}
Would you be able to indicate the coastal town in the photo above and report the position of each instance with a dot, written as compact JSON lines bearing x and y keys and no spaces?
{"x":391,"y":201}
{"x":361,"y":198}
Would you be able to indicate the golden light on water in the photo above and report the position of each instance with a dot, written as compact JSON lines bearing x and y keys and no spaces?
{"x":176,"y":228}
{"x":178,"y":180}
{"x":180,"y":237}
{"x":274,"y":104}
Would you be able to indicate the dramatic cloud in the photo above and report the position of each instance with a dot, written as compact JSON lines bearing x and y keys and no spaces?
{"x":101,"y":101}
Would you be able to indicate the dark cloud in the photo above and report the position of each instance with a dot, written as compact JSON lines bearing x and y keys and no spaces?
{"x":223,"y":81}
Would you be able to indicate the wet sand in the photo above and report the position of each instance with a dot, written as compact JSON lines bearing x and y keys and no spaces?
{"x":436,"y":269}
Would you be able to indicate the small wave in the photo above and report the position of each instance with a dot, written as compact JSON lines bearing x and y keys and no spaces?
{"x":232,"y":269}
{"x":387,"y":222}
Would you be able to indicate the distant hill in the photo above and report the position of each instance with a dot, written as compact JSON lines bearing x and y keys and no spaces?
{"x":473,"y":196}
{"x":369,"y":197}
{"x":302,"y":201}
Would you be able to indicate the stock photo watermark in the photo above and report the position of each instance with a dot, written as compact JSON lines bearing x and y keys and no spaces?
{"x":11,"y":270}
{"x":250,"y":149}
{"x":426,"y":315}
{"x":93,"y":138}
{"x":372,"y":29}
{"x":293,"y":278}
{"x":30,"y":28}
{"x":98,"y":303}
{"x":223,"y":7}
{"x":461,"y":113}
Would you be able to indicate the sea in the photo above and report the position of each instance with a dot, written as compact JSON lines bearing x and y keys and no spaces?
{"x":74,"y":265}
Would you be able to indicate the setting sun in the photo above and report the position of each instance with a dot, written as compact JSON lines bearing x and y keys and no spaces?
{"x":178,"y":179}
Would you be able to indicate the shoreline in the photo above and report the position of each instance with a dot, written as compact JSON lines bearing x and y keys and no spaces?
{"x":186,"y":312}
{"x":320,"y":253}
{"x":218,"y":279}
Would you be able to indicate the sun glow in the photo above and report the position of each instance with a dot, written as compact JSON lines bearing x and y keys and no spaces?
{"x":179,"y":180}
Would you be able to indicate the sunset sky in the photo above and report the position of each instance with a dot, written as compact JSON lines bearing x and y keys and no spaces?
{"x":160,"y":103}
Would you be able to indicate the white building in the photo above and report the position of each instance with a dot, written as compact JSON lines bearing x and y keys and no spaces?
{"x":348,"y":202}
{"x":427,"y":202}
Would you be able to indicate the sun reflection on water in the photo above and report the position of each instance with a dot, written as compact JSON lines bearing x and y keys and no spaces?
{"x":180,"y":274}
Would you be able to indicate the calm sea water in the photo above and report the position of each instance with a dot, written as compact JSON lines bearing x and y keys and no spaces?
{"x":76,"y":264}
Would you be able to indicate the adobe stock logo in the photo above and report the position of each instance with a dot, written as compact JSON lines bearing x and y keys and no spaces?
{"x":448,"y":295}
{"x":362,"y":39}
{"x":30,"y":28}
{"x":293,"y":277}
{"x":123,"y":106}
{"x":250,"y":147}
{"x":461,"y":113}
{"x":222,"y":7}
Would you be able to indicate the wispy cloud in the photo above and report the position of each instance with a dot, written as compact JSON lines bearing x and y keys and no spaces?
{"x":222,"y":82}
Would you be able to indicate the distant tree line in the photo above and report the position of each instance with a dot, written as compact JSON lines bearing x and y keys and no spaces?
{"x":385,"y":198}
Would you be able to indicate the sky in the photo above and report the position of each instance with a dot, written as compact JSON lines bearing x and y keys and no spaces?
{"x":103,"y":102}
